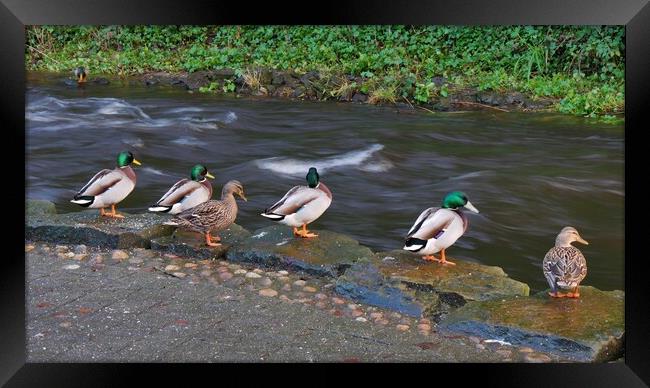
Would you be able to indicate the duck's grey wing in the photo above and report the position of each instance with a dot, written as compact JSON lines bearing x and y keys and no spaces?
{"x":180,"y":189}
{"x":101,"y":182}
{"x":293,"y":200}
{"x":431,"y":224}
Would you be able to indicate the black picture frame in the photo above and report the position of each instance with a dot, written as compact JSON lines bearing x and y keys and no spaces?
{"x":634,"y":14}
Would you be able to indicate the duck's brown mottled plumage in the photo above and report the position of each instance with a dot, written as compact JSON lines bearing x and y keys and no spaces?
{"x":212,"y":216}
{"x":564,"y":266}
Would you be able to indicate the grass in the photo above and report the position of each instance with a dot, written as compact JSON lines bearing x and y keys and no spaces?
{"x":582,"y":67}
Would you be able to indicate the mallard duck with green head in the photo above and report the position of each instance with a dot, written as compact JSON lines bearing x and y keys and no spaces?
{"x":109,"y":187}
{"x":564,"y":266}
{"x":186,"y":193}
{"x":438,"y":228}
{"x":213,"y":215}
{"x":80,"y":74}
{"x":302,"y":205}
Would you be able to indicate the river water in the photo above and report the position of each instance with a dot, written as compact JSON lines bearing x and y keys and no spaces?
{"x":530,"y":174}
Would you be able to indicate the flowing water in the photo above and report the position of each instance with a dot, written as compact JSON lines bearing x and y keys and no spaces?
{"x":529,"y":174}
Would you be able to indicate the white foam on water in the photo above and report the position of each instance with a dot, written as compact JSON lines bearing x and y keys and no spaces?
{"x":153,"y":171}
{"x":230,"y":117}
{"x":134,"y":142}
{"x":189,"y":141}
{"x":115,"y":106}
{"x":289,"y":166}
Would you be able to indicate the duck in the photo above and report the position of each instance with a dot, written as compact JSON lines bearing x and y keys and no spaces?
{"x":80,"y":74}
{"x":438,"y":228}
{"x":212,"y":215}
{"x":564,"y":266}
{"x":186,"y":193}
{"x":109,"y":187}
{"x":302,"y":205}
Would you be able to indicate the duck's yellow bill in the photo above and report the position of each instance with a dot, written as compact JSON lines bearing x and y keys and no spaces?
{"x":136,"y":162}
{"x":208,"y":175}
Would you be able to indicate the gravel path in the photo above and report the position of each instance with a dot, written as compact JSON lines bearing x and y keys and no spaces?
{"x":89,"y":304}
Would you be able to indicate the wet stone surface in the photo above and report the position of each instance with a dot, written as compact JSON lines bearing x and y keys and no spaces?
{"x":155,"y":306}
{"x":590,"y":328}
{"x":276,"y":246}
{"x":191,"y":244}
{"x":403,"y":281}
{"x":88,"y":228}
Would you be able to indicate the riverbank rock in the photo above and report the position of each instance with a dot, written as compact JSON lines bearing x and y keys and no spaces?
{"x":275,"y":246}
{"x":590,"y":328}
{"x":406,"y":282}
{"x":35,"y":207}
{"x":192,"y":244}
{"x":88,"y":228}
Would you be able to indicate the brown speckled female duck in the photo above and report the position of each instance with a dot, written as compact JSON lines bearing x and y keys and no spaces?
{"x":212,"y":215}
{"x":564,"y":265}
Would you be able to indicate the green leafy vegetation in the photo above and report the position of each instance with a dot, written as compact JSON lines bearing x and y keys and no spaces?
{"x":581,"y":68}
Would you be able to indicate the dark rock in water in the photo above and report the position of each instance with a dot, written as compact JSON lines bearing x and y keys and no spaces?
{"x":191,"y":244}
{"x":403,"y":281}
{"x":363,"y":282}
{"x":35,"y":207}
{"x":222,"y":73}
{"x":101,"y":81}
{"x":590,"y":328}
{"x":329,"y":254}
{"x":197,"y":79}
{"x":88,"y":228}
{"x":359,"y":97}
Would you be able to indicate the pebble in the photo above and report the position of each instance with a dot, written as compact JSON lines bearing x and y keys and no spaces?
{"x":132,"y":268}
{"x":383,"y":321}
{"x":61,"y":248}
{"x":299,"y":283}
{"x":352,"y":306}
{"x":206,"y":273}
{"x":376,"y":315}
{"x":361,"y":319}
{"x":258,"y":271}
{"x":65,"y":324}
{"x":170,"y":256}
{"x":172,"y":267}
{"x":29,"y":248}
{"x":320,"y":296}
{"x":284,"y":279}
{"x":80,"y":256}
{"x":480,"y":347}
{"x":396,"y":315}
{"x":321,"y":305}
{"x":504,"y":352}
{"x":425,"y":320}
{"x":135,"y":260}
{"x":240,"y":272}
{"x":222,"y":262}
{"x":253,"y":275}
{"x":97,"y":259}
{"x":62,"y":256}
{"x":266,"y":282}
{"x":402,"y":327}
{"x":309,"y":289}
{"x":357,"y":313}
{"x":190,"y":265}
{"x":424,"y":327}
{"x":225,"y":276}
{"x":338,"y":300}
{"x":537,"y":357}
{"x":234,"y":267}
{"x":180,"y":274}
{"x":119,"y":254}
{"x":222,"y":269}
{"x":285,"y":298}
{"x":526,"y":350}
{"x":80,"y":249}
{"x":286,"y":287}
{"x":476,"y":340}
{"x":268,"y":292}
{"x":283,"y":273}
{"x":71,"y":266}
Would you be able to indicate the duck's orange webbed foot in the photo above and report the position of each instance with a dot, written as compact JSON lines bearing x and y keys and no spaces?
{"x":573,"y":294}
{"x":556,"y":294}
{"x":443,"y":260}
{"x":208,"y":240}
{"x":430,"y":258}
{"x":304,"y":233}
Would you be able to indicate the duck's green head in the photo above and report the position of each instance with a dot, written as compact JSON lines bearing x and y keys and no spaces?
{"x":80,"y":74}
{"x":312,"y":177}
{"x":456,"y":200}
{"x":199,"y":173}
{"x":125,"y":158}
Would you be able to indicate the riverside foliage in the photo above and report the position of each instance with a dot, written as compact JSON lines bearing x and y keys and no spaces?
{"x":581,"y":67}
